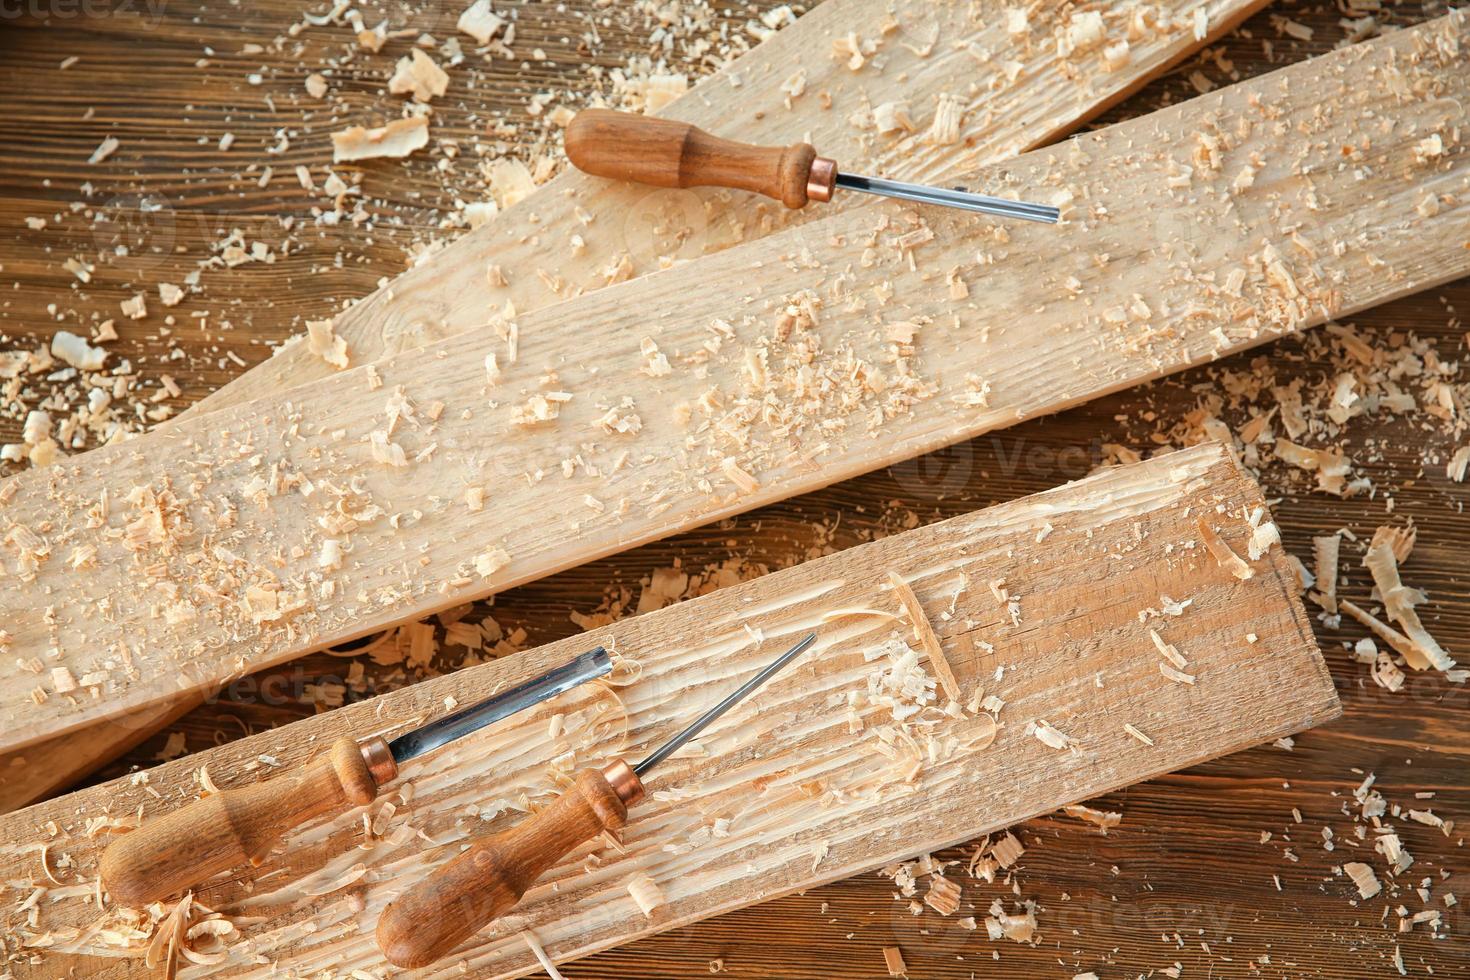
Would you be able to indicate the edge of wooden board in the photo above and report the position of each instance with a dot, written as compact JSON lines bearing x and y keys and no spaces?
{"x":694,"y":649}
{"x":53,"y":764}
{"x":1280,"y":289}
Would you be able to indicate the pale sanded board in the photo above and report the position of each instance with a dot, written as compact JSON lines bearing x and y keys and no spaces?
{"x":1093,"y":567}
{"x":923,"y":50}
{"x":1165,"y":261}
{"x":650,"y":227}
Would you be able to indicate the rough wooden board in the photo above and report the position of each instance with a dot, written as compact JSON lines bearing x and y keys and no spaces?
{"x":1081,"y":658}
{"x":1187,"y":857}
{"x":925,"y":50}
{"x":1205,"y":232}
{"x":1048,"y":98}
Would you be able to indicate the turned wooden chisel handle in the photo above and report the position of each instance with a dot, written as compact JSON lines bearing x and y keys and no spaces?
{"x":433,"y":917}
{"x":666,"y":153}
{"x":171,"y":853}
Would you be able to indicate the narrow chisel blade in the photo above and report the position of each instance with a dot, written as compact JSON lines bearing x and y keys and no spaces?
{"x":411,"y":745}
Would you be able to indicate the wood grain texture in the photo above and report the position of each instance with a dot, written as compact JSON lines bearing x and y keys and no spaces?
{"x":233,"y":828}
{"x":624,"y":146}
{"x":643,"y":231}
{"x":446,"y":907}
{"x":1233,"y":280}
{"x":807,"y":801}
{"x":1187,"y":857}
{"x":1049,"y":97}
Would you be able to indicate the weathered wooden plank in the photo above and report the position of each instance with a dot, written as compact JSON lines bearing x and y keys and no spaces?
{"x":1092,"y":568}
{"x":215,"y":567}
{"x":642,"y":229}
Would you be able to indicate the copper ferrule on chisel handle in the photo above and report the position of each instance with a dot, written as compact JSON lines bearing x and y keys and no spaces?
{"x":669,"y":153}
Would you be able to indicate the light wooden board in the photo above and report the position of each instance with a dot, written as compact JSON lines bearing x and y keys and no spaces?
{"x":807,"y":802}
{"x":1054,"y":316}
{"x":651,"y":227}
{"x":922,"y":51}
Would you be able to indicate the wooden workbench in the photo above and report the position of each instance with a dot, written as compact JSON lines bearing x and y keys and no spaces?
{"x":1186,"y":878}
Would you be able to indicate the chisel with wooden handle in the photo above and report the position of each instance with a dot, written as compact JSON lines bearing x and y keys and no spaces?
{"x":668,"y":153}
{"x":180,"y":849}
{"x":455,"y":901}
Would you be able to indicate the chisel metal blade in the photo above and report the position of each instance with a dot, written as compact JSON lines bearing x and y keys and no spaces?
{"x":964,"y":200}
{"x":593,"y":663}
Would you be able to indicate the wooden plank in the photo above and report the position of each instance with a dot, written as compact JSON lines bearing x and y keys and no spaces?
{"x":247,"y":502}
{"x":1051,"y":95}
{"x":923,"y":52}
{"x":806,"y":801}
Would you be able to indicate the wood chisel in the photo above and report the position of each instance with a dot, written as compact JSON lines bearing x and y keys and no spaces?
{"x":458,"y":899}
{"x":667,"y":153}
{"x":167,"y":855}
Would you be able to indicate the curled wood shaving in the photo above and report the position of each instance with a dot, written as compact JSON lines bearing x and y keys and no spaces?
{"x":1168,"y":650}
{"x":1331,"y":467}
{"x":926,"y":636}
{"x":1224,"y":556}
{"x":480,"y":22}
{"x":419,"y":76}
{"x":1047,"y":734}
{"x":1104,"y":819}
{"x":646,"y":893}
{"x":1383,"y":631}
{"x":625,"y":671}
{"x":743,"y":481}
{"x":985,"y":730}
{"x":1400,"y":541}
{"x":1399,"y":602}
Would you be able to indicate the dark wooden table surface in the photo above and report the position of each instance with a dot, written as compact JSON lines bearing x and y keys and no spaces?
{"x":1186,"y":881}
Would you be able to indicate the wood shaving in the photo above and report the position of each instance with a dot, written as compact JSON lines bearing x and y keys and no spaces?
{"x":1399,"y":602}
{"x":324,"y":343}
{"x":480,"y":22}
{"x":1174,"y":674}
{"x":1167,"y":650}
{"x":1049,"y":735}
{"x":104,"y":150}
{"x":1400,"y":540}
{"x":926,"y":636}
{"x":1364,"y":878}
{"x":491,"y":561}
{"x":74,"y":350}
{"x":1103,"y":819}
{"x":1224,"y":556}
{"x":949,"y":115}
{"x":743,"y":481}
{"x":1325,"y":552}
{"x":397,"y":139}
{"x":943,"y":895}
{"x":418,"y":75}
{"x":646,"y":893}
{"x":1138,"y":734}
{"x":893,"y":960}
